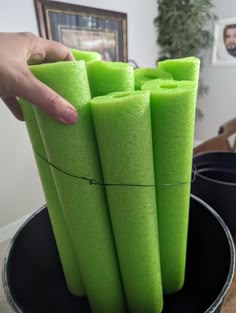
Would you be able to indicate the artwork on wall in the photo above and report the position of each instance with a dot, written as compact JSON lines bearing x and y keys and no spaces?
{"x":224,"y":49}
{"x":84,"y":28}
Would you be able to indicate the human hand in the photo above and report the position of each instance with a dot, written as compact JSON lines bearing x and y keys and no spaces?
{"x":17,"y":51}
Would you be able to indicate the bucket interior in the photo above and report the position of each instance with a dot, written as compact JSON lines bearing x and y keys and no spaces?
{"x":215,"y":183}
{"x":34,"y":281}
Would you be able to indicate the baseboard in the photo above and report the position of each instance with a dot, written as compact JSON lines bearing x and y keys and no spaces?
{"x":8,"y":231}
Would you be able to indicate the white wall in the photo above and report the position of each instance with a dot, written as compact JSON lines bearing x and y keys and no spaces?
{"x":20,"y":189}
{"x":220,"y":103}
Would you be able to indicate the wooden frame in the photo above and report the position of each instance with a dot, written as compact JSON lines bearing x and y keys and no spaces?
{"x":84,"y":28}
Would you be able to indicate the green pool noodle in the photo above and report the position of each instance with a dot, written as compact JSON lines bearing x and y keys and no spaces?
{"x":86,"y":56}
{"x":173,"y":114}
{"x":142,"y":75}
{"x":106,"y":77}
{"x":182,"y":69}
{"x":123,"y":129}
{"x":72,"y":149}
{"x":65,"y":249}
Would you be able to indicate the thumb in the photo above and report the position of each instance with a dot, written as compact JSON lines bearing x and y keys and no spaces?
{"x":47,"y":100}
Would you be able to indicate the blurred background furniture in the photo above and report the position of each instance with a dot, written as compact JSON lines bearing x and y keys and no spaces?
{"x":225,"y":140}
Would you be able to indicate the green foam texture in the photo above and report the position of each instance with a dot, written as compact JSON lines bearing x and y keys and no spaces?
{"x":142,"y":75}
{"x":73,"y":149}
{"x":66,"y":252}
{"x":106,"y":77}
{"x":86,"y":56}
{"x":182,"y":69}
{"x":123,"y":129}
{"x":173,"y":116}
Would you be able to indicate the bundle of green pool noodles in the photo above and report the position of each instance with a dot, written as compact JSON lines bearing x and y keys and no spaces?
{"x":117,"y":183}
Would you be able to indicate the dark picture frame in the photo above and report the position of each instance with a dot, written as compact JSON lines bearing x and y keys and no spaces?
{"x":84,"y":28}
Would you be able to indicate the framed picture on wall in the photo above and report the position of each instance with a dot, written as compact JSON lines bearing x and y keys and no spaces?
{"x":224,"y":48}
{"x":84,"y":28}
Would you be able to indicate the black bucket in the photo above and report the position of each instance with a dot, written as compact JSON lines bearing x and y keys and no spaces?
{"x":215,"y":183}
{"x":34,"y":282}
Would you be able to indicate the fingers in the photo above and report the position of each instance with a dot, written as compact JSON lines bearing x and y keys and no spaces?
{"x":55,"y":51}
{"x":34,"y":91}
{"x":18,"y":81}
{"x":14,"y":106}
{"x":43,"y":50}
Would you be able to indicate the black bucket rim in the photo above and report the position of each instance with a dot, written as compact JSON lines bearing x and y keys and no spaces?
{"x":218,"y":301}
{"x":216,"y":181}
{"x":213,"y":180}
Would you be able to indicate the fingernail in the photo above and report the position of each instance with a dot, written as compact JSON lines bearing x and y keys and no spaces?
{"x":70,"y":116}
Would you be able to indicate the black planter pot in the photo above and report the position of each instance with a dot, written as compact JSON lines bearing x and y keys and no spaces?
{"x":34,"y":282}
{"x":215,"y":183}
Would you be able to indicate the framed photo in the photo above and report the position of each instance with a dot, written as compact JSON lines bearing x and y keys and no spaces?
{"x":84,"y":28}
{"x":224,"y":48}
